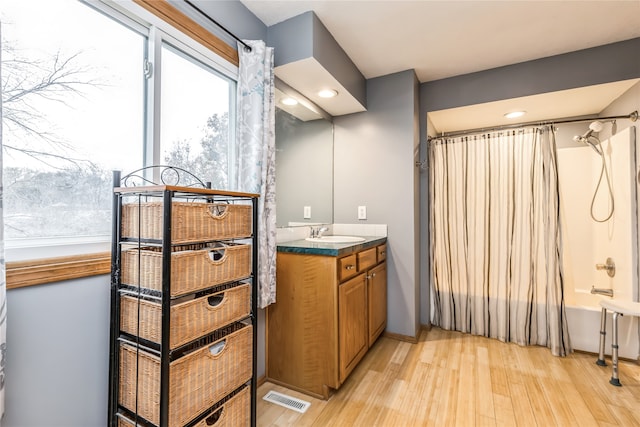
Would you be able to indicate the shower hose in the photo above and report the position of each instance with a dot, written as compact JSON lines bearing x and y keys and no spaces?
{"x":604,"y":171}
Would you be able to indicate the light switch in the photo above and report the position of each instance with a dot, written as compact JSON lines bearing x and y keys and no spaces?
{"x":362,"y":212}
{"x":307,"y":212}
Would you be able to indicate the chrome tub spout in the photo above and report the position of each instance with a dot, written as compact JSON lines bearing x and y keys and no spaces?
{"x":601,"y":291}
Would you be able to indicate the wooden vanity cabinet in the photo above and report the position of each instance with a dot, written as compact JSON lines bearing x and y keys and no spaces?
{"x":328,"y":312}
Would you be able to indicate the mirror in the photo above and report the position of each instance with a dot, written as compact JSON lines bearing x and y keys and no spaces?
{"x":304,"y":164}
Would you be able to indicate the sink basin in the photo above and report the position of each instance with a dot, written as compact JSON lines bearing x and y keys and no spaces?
{"x":335,"y":239}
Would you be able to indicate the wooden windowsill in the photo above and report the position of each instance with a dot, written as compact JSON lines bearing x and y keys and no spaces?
{"x":48,"y":270}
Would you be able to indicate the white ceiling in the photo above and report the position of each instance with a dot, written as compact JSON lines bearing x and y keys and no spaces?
{"x":440,"y":39}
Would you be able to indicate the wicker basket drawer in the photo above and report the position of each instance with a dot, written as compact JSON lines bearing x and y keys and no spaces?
{"x":196,"y":381}
{"x":190,"y":320}
{"x":190,"y":222}
{"x":191,"y":270}
{"x":234,"y":412}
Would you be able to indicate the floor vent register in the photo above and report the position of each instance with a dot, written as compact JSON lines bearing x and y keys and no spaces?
{"x":288,"y":402}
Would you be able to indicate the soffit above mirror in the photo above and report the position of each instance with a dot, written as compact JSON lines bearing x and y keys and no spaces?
{"x":308,"y":76}
{"x":308,"y":59}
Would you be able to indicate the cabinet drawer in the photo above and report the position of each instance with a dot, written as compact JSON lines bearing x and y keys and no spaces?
{"x":382,"y":253}
{"x":347,"y":267}
{"x":367,"y":259}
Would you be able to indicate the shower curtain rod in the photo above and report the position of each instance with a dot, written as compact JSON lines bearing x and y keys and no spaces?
{"x":246,"y":46}
{"x":632,"y":116}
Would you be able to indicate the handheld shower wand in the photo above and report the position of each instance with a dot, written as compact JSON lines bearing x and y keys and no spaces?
{"x":594,"y":142}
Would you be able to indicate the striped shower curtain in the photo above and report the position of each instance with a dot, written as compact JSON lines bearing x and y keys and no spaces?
{"x":495,"y":237}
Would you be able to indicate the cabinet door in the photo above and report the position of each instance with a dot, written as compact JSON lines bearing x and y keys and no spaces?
{"x":352,"y":323}
{"x":377,"y":289}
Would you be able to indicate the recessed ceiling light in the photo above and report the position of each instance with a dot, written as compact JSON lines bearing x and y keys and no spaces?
{"x":289,"y":101}
{"x":327,"y":93}
{"x":514,"y":114}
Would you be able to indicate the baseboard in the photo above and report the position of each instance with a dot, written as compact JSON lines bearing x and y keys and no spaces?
{"x":300,"y":390}
{"x":596,"y":356}
{"x":425,"y":327}
{"x":261,"y":380}
{"x":400,"y":337}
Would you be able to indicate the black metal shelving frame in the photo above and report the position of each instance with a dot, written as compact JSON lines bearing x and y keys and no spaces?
{"x":166,"y":354}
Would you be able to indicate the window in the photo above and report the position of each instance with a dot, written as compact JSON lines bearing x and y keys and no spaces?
{"x":79,"y":102}
{"x":194,"y":117}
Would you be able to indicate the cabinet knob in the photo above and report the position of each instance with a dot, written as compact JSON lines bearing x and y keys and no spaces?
{"x":349,"y":267}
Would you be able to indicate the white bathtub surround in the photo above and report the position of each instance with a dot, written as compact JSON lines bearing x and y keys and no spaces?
{"x":495,"y":241}
{"x":587,"y":242}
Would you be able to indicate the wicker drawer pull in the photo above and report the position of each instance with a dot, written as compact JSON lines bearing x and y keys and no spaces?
{"x":218,"y":211}
{"x":217,"y":256}
{"x":217,"y":348}
{"x":215,"y":300}
{"x":215,"y":417}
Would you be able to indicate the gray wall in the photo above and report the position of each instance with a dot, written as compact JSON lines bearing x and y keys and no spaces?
{"x":374,"y":166}
{"x":57,"y":354}
{"x":602,"y":64}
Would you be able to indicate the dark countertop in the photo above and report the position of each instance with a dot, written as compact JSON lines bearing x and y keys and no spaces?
{"x":330,"y":249}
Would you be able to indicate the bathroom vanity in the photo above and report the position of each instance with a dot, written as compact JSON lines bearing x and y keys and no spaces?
{"x":331,"y":307}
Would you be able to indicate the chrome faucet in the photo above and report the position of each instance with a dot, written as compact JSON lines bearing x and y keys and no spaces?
{"x":316,"y":232}
{"x":601,"y":291}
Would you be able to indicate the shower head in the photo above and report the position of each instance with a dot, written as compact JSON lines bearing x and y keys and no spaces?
{"x":596,"y":126}
{"x":593,"y":127}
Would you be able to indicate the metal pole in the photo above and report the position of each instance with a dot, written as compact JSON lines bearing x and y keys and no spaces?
{"x":114,"y":359}
{"x":166,"y":307}
{"x":603,"y":335}
{"x":631,"y":116}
